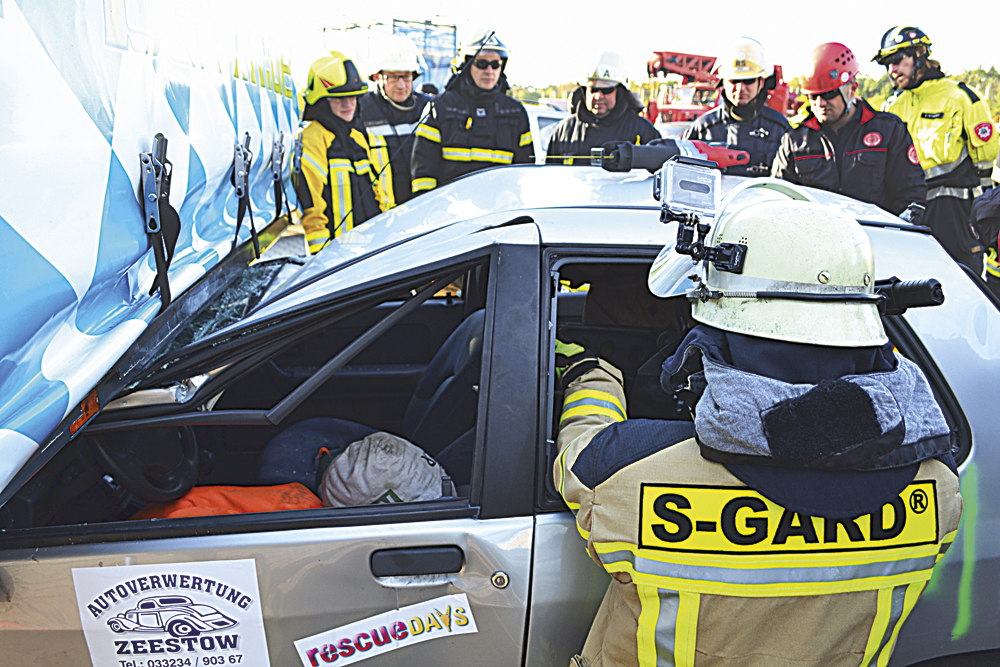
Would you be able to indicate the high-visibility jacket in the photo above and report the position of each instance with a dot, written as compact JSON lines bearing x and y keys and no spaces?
{"x":953,"y":133}
{"x":335,"y":184}
{"x":708,"y":571}
{"x":467,"y":129}
{"x":390,"y":130}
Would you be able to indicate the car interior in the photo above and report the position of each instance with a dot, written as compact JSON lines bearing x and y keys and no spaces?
{"x":415,"y":375}
{"x":404,"y":360}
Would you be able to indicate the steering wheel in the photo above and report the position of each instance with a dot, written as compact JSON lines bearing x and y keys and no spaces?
{"x":158,"y":465}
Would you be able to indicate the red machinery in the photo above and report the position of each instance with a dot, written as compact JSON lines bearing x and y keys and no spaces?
{"x":699,"y":90}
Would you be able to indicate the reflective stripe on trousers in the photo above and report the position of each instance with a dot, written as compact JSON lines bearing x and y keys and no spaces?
{"x":668,"y":625}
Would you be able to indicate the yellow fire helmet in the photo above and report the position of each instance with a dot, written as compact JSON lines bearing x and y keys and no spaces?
{"x":333,"y":76}
{"x":745,"y":61}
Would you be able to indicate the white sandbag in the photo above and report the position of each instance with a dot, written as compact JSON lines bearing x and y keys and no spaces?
{"x":382,"y":468}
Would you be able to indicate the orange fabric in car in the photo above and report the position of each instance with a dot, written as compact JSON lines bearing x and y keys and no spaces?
{"x":212,"y":500}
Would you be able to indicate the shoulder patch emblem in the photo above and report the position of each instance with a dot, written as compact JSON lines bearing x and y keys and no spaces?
{"x":872,"y":139}
{"x":984,"y":131}
{"x":911,"y":154}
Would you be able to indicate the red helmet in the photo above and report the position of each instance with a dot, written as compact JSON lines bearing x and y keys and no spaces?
{"x":833,"y":65}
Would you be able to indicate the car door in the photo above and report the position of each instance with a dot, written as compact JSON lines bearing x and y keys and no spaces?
{"x":465,"y":556}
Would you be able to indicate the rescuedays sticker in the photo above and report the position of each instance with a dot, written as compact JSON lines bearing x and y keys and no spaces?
{"x":172,"y":615}
{"x":441,"y":617}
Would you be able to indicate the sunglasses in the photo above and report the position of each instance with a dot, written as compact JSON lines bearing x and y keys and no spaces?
{"x":828,"y":95}
{"x":482,"y":63}
{"x":603,"y":91}
{"x":894,"y":59}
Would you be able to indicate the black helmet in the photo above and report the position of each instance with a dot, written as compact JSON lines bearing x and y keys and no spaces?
{"x":900,"y":38}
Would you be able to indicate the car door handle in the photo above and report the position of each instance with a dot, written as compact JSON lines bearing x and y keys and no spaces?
{"x":415,"y":561}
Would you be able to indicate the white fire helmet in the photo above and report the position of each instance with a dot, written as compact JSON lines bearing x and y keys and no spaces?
{"x":814,"y":263}
{"x":400,"y":55}
{"x":745,"y":61}
{"x":483,"y":38}
{"x":609,"y":69}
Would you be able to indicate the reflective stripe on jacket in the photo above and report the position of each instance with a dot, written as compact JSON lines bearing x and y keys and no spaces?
{"x":460,"y":135}
{"x":705,"y":566}
{"x":336,"y":193}
{"x":950,"y":123}
{"x":872,"y":160}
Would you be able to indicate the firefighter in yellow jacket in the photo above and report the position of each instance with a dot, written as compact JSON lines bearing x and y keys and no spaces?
{"x":953,"y":135}
{"x":798,"y":519}
{"x":332,"y":170}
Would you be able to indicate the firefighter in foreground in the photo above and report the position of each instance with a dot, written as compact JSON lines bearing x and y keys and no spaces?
{"x":799,"y":518}
{"x":390,"y":115}
{"x":603,"y":110}
{"x":473,"y":124}
{"x":953,"y":134}
{"x":332,"y":172}
{"x":844,"y":145}
{"x":744,"y":120}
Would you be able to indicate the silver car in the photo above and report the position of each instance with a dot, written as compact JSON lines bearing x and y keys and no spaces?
{"x":437,"y":321}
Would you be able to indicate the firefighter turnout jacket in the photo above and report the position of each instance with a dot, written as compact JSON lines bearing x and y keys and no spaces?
{"x":573,"y":137}
{"x":466,"y":129}
{"x":334,"y":181}
{"x":390,"y":129}
{"x":760,"y":136}
{"x":872,"y":158}
{"x":706,"y":570}
{"x":953,"y":134}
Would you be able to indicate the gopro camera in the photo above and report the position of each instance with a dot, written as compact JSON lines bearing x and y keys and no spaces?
{"x":689,"y":186}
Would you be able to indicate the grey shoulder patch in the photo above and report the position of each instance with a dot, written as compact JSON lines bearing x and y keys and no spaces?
{"x":622,"y":444}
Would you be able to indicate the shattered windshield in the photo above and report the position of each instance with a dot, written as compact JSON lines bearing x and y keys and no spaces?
{"x":233,"y":304}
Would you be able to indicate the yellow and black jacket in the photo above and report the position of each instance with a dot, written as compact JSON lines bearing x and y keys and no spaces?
{"x":390,"y":129}
{"x":952,"y":131}
{"x":467,"y":129}
{"x":334,"y":181}
{"x":690,"y":548}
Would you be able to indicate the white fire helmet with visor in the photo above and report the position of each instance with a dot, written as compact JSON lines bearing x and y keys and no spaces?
{"x":807,"y":275}
{"x":399,"y":54}
{"x":609,"y":70}
{"x":745,"y":61}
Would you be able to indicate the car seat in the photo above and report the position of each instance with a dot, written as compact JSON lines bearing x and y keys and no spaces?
{"x":441,"y":411}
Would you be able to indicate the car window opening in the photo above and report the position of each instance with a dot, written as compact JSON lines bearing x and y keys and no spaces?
{"x":606,"y":307}
{"x":379,"y":407}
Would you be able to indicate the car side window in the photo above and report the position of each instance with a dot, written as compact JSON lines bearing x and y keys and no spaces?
{"x":371,"y":402}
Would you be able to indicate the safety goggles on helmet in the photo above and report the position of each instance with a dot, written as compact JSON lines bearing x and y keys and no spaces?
{"x":482,"y":63}
{"x":901,"y":38}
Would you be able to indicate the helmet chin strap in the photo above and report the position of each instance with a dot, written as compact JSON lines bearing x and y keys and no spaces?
{"x":845,"y":92}
{"x":381,"y":91}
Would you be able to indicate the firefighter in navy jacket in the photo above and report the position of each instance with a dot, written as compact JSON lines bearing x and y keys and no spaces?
{"x":603,"y":110}
{"x":473,"y":124}
{"x":743,"y":120}
{"x":811,"y":496}
{"x":843,"y":145}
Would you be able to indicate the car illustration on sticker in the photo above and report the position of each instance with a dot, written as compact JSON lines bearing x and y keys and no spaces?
{"x":176,"y":614}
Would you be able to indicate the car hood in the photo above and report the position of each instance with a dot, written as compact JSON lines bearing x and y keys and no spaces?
{"x":77,"y":265}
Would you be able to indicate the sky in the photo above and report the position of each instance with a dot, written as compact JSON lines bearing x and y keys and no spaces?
{"x":557,"y":42}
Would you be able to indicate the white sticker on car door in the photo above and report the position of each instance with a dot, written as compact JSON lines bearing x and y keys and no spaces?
{"x":441,"y":617}
{"x":172,"y":615}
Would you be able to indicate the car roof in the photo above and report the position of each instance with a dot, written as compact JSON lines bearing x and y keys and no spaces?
{"x":492,"y":197}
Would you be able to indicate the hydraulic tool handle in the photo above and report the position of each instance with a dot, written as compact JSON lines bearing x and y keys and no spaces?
{"x":621,"y":156}
{"x":899,"y":296}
